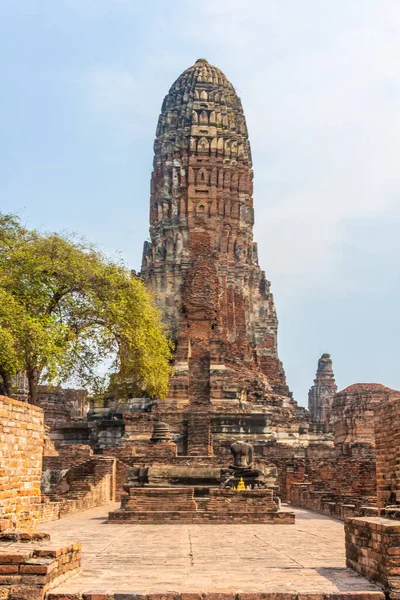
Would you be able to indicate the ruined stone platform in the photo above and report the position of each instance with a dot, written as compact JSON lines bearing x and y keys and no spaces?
{"x":178,"y":505}
{"x":304,"y":560}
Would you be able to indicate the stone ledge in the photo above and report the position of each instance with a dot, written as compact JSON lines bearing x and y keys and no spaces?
{"x":95,"y":595}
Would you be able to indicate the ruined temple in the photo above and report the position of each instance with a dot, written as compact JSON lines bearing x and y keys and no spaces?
{"x":202,"y":262}
{"x":202,"y":267}
{"x":227,"y":445}
{"x":228,"y":388}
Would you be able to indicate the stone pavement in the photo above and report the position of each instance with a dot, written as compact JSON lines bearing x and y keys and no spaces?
{"x":307,"y":557}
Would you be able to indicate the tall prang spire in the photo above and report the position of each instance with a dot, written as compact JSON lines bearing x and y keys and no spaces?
{"x":321,"y":394}
{"x":202,"y":262}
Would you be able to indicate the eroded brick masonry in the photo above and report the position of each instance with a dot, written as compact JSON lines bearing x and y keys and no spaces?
{"x":21,"y":448}
{"x":202,"y":262}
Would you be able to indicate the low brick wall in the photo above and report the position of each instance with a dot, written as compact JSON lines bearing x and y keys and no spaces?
{"x":335,"y":483}
{"x":21,"y":448}
{"x":27,"y":573}
{"x":304,"y":495}
{"x":373,"y":550}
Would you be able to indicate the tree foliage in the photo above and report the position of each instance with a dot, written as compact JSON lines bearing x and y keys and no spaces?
{"x":65,"y":309}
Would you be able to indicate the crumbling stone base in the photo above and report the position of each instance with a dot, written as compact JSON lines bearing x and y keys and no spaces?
{"x":166,"y":505}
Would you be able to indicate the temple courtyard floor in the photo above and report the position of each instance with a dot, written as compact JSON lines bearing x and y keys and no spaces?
{"x":305,"y":558}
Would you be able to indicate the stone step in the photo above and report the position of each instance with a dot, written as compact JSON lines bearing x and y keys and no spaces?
{"x":109,"y":595}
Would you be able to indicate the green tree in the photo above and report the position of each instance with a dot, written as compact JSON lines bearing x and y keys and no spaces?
{"x":65,"y":309}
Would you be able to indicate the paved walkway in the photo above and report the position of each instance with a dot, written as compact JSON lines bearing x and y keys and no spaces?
{"x":305,"y":557}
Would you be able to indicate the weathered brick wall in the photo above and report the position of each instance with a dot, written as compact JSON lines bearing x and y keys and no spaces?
{"x":344,"y":474}
{"x":143,"y":448}
{"x":21,"y":448}
{"x":327,"y":468}
{"x":387,"y":435}
{"x":140,"y":424}
{"x":99,"y":494}
{"x":341,"y":480}
{"x":85,"y":485}
{"x":352,"y":413}
{"x":373,"y":550}
{"x":80,"y":432}
{"x":338,"y":484}
{"x":339,"y":506}
{"x":120,"y":479}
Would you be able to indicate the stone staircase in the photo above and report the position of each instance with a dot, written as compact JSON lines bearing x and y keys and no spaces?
{"x":80,"y":479}
{"x":85,"y":485}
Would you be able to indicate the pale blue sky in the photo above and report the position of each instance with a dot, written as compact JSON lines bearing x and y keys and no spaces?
{"x":82,"y":82}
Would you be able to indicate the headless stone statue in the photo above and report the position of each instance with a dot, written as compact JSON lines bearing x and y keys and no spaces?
{"x":242,"y":467}
{"x":242,"y":454}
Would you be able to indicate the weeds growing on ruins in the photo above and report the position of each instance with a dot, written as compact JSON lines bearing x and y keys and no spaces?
{"x":65,"y":308}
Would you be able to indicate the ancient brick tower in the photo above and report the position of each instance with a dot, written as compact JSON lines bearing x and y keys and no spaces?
{"x":321,"y":394}
{"x":202,"y":262}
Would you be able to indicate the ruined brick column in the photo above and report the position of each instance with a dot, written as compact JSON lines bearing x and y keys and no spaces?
{"x":202,"y":262}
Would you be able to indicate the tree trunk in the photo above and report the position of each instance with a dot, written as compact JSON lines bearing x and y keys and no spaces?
{"x":33,"y":381}
{"x":5,"y":384}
